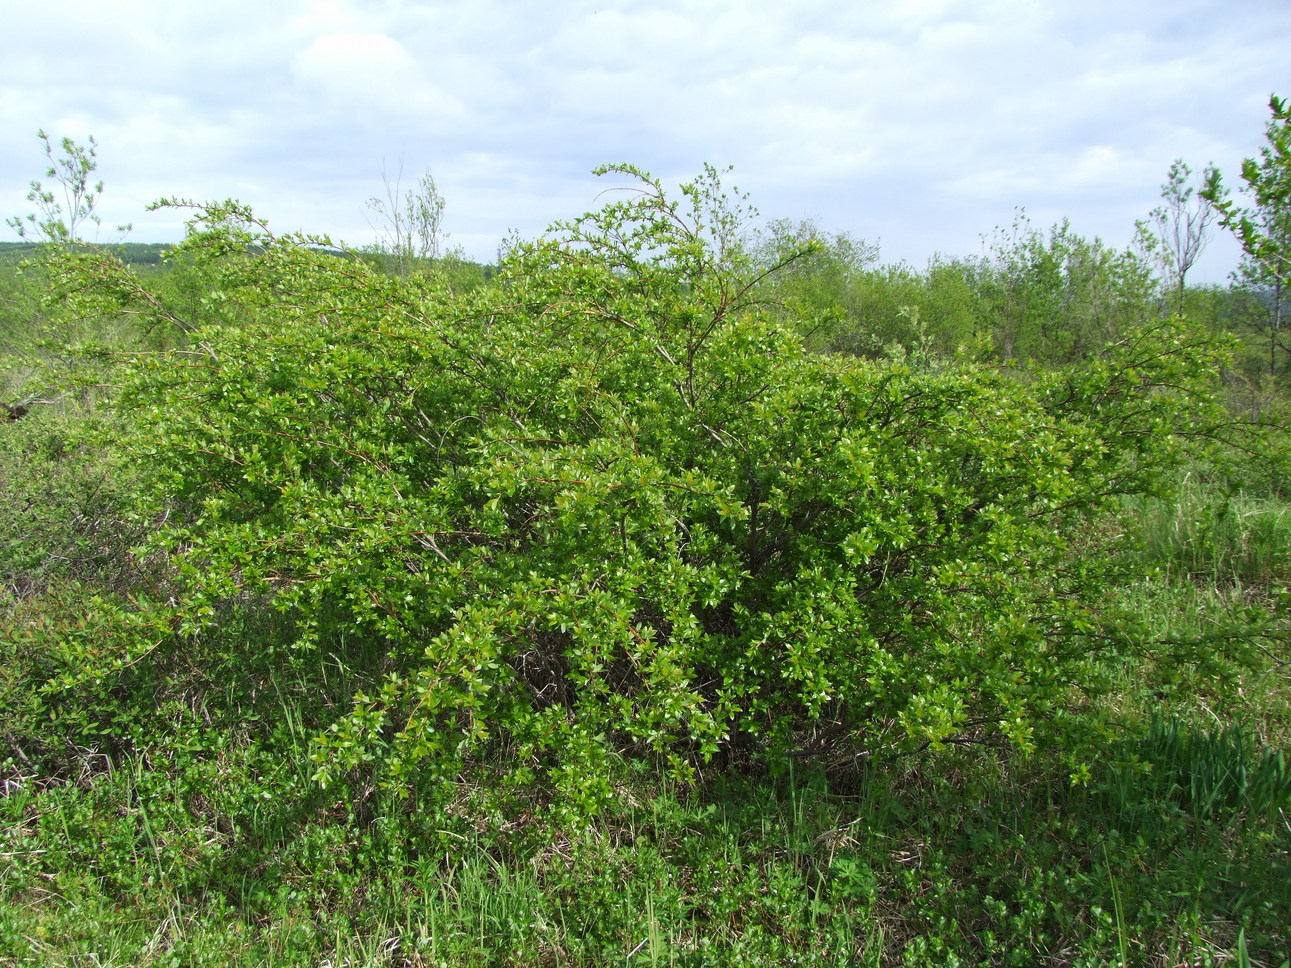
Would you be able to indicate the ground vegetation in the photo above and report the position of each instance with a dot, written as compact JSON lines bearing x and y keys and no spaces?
{"x":681,"y":590}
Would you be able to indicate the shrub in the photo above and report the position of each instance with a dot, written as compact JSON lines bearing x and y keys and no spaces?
{"x":610,"y":507}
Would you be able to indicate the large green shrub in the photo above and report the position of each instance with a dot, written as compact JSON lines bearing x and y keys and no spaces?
{"x":611,"y":507}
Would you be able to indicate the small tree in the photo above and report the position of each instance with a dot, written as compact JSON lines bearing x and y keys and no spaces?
{"x":90,"y":300}
{"x":1174,"y":234}
{"x":408,"y":223}
{"x":64,"y":207}
{"x":1264,"y":226}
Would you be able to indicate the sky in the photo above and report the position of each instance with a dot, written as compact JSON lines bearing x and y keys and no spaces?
{"x":918,"y":125}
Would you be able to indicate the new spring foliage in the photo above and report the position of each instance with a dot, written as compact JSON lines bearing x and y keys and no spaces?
{"x":611,"y":507}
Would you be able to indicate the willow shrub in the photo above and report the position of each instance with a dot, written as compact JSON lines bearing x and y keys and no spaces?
{"x":609,"y":507}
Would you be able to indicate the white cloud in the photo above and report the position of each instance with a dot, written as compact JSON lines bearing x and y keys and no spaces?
{"x":355,"y":64}
{"x":370,"y":73}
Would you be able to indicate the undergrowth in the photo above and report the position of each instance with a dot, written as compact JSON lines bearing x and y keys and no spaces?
{"x":1176,"y":845}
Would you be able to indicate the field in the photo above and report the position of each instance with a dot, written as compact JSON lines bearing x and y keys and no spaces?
{"x":674,"y":593}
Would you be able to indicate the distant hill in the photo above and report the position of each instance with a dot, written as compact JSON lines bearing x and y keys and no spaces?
{"x":132,"y":253}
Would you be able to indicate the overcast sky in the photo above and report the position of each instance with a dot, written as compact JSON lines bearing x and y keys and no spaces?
{"x":920,"y":125}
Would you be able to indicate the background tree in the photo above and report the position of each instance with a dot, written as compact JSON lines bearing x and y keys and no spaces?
{"x":63,"y":207}
{"x":1174,"y":234}
{"x":408,"y":222}
{"x":84,"y":306}
{"x":1263,"y":227}
{"x":1057,"y":296}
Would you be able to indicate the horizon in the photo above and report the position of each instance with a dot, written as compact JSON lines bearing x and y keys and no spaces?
{"x":917,"y":126}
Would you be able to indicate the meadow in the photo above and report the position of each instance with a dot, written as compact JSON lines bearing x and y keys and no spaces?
{"x":680,"y":591}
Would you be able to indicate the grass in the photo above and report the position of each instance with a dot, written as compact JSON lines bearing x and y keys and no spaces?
{"x":962,"y":857}
{"x":1216,"y":539}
